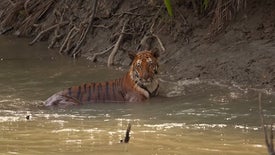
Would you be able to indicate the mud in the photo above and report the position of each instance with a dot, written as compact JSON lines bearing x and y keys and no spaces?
{"x":243,"y":54}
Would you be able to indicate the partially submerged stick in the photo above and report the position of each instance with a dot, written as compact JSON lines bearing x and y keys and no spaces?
{"x":127,"y":135}
{"x":268,"y":141}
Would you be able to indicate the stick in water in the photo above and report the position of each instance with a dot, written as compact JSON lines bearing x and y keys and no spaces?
{"x":127,"y":135}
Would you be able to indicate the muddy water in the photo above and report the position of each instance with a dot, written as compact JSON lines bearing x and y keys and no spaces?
{"x":202,"y":119}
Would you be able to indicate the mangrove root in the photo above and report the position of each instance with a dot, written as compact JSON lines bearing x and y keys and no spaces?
{"x":115,"y":49}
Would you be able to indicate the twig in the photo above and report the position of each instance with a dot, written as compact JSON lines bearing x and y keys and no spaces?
{"x":268,"y":143}
{"x":101,"y":53}
{"x":122,"y":13}
{"x":127,"y":134}
{"x":151,"y":34}
{"x":103,"y":26}
{"x":159,"y":41}
{"x":68,"y":45}
{"x":46,"y":30}
{"x":6,"y":30}
{"x":115,"y":49}
{"x":12,"y":3}
{"x":56,"y":31}
{"x":154,"y":20}
{"x":67,"y":38}
{"x":143,"y":42}
{"x":83,"y":36}
{"x":182,"y":17}
{"x":55,"y":39}
{"x":26,"y":7}
{"x":262,"y":119}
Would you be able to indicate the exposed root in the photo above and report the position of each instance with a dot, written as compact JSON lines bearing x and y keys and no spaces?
{"x":147,"y":39}
{"x":145,"y":42}
{"x":10,"y":16}
{"x":12,"y":3}
{"x":115,"y":49}
{"x":70,"y":42}
{"x":159,"y":41}
{"x":83,"y":36}
{"x":93,"y":59}
{"x":67,"y":27}
{"x":55,"y":38}
{"x":26,"y":7}
{"x":70,"y":35}
{"x":46,"y":30}
{"x":224,"y":11}
{"x":47,"y":19}
{"x":39,"y":10}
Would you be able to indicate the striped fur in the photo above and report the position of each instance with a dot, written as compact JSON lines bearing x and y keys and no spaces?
{"x":139,"y":84}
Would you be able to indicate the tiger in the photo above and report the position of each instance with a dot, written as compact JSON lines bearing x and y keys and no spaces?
{"x":137,"y":85}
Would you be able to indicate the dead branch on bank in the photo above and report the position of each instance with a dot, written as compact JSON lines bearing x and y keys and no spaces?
{"x":57,"y":35}
{"x":93,"y":59}
{"x":12,"y":3}
{"x":224,"y":11}
{"x":159,"y":41}
{"x":146,"y":41}
{"x":46,"y":30}
{"x":70,"y":35}
{"x":268,"y":141}
{"x":9,"y":17}
{"x":117,"y":44}
{"x":83,"y":36}
{"x":38,"y":9}
{"x":66,"y":25}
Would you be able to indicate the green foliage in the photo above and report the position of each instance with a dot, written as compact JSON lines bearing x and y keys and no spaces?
{"x":205,"y":4}
{"x":168,"y":7}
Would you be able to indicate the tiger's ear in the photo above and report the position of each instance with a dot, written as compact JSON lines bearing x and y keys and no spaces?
{"x":132,"y":55}
{"x":155,"y":52}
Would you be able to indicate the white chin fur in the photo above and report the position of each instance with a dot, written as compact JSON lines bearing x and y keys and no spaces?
{"x":150,"y":86}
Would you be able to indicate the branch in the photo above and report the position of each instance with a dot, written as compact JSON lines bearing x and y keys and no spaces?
{"x":151,"y":34}
{"x":46,"y":30}
{"x":67,"y":38}
{"x":101,"y":53}
{"x":68,"y":46}
{"x":268,"y":142}
{"x":159,"y":41}
{"x":26,"y":7}
{"x":262,"y":119}
{"x":127,"y":134}
{"x":12,"y":3}
{"x":83,"y":36}
{"x":115,"y":49}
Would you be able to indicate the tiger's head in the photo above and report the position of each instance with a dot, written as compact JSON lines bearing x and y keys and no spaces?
{"x":144,"y":68}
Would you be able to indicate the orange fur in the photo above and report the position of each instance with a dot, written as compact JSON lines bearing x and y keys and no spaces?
{"x":139,"y":84}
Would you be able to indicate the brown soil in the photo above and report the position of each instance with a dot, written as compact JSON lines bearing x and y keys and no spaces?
{"x":243,"y":52}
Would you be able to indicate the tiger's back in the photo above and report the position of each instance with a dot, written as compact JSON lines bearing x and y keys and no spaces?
{"x":137,"y":85}
{"x":96,"y":92}
{"x":109,"y":91}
